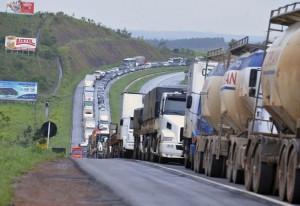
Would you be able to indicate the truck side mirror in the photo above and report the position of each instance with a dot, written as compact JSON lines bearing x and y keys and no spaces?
{"x":189,"y":102}
{"x":121,"y":122}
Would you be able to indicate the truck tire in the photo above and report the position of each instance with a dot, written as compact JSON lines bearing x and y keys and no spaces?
{"x":282,"y":175}
{"x":215,"y":166}
{"x":262,"y":175}
{"x":237,"y":174}
{"x":186,"y":153}
{"x":248,"y":171}
{"x":293,"y":183}
{"x":229,"y":165}
{"x":162,"y":160}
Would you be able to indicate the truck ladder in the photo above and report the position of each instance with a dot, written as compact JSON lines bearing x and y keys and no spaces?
{"x":279,"y":18}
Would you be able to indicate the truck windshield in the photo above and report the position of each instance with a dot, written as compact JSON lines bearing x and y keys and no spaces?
{"x":175,"y":105}
{"x":130,"y":63}
{"x":103,"y":122}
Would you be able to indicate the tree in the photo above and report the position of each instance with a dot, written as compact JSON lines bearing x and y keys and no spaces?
{"x":162,"y":44}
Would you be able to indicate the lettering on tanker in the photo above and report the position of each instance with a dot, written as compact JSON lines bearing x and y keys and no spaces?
{"x":230,"y":78}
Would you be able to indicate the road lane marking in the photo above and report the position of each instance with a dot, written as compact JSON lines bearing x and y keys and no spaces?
{"x":223,"y":185}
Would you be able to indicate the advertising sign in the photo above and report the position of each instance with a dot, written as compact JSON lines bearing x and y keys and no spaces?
{"x":20,"y":43}
{"x":26,"y":91}
{"x":20,"y":7}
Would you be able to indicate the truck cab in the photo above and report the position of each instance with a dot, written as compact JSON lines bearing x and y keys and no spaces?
{"x":171,"y":123}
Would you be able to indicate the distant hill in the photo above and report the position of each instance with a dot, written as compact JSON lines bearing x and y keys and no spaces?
{"x":173,"y":35}
{"x":197,"y":44}
{"x":81,"y":44}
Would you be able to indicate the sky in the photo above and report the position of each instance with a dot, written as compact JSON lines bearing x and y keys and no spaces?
{"x":238,"y":17}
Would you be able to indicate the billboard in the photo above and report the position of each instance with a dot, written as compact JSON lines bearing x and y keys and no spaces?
{"x":20,"y":7}
{"x":26,"y":91}
{"x":20,"y":43}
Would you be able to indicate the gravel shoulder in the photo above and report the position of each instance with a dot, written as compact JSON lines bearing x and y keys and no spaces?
{"x":60,"y":183}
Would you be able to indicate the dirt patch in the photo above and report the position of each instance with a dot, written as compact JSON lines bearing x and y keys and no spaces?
{"x":60,"y":183}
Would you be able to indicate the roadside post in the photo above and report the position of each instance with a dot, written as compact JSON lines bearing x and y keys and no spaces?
{"x":47,"y":104}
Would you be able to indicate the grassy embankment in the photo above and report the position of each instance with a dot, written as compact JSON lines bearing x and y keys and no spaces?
{"x":84,"y":43}
{"x":118,"y":87}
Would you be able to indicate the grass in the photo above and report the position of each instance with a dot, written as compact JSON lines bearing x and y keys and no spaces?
{"x":118,"y":87}
{"x":15,"y":161}
{"x":23,"y":119}
{"x":17,"y":153}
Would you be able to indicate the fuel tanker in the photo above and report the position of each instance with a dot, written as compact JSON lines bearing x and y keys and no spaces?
{"x":253,"y":106}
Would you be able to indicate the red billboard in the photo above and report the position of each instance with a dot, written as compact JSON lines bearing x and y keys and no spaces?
{"x":20,"y":43}
{"x":20,"y":7}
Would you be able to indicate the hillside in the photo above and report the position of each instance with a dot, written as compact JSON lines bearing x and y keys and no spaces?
{"x":196,"y":44}
{"x":81,"y":45}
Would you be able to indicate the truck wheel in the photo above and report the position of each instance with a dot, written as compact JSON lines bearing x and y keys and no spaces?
{"x":200,"y":163}
{"x":215,"y":166}
{"x":192,"y":163}
{"x":206,"y":160}
{"x":196,"y":162}
{"x":186,"y":153}
{"x":293,"y":179}
{"x":282,"y":172}
{"x":151,"y":157}
{"x":162,"y":160}
{"x":187,"y":162}
{"x":262,"y":174}
{"x":248,"y":170}
{"x":237,"y":174}
{"x":229,"y":165}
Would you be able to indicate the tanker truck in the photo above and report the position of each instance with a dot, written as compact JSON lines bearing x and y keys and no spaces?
{"x":162,"y":124}
{"x":273,"y":160}
{"x":227,"y":105}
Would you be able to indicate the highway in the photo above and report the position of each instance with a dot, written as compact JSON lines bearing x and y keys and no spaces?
{"x":145,"y":183}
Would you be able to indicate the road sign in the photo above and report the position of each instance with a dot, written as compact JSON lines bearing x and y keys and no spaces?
{"x":50,"y":129}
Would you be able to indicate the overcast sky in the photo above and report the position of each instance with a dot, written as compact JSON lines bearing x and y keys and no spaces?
{"x":249,"y":17}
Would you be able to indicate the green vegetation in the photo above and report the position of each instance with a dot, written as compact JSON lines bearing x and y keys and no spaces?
{"x":15,"y":161}
{"x":82,"y":46}
{"x":118,"y":87}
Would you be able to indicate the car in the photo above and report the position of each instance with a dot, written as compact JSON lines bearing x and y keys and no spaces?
{"x":102,"y":106}
{"x":101,"y":87}
{"x":102,"y":109}
{"x":101,"y":101}
{"x":120,"y":73}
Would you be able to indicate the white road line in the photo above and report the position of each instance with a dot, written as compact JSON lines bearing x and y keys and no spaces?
{"x":224,"y":186}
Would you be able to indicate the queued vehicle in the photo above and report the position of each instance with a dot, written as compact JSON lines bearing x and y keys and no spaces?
{"x":77,"y":152}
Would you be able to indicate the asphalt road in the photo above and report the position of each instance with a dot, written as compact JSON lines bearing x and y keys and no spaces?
{"x":142,"y":183}
{"x":164,"y":80}
{"x":145,"y":183}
